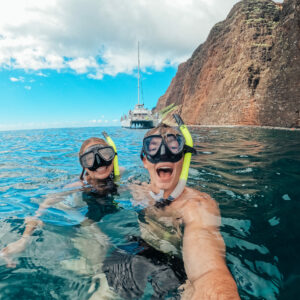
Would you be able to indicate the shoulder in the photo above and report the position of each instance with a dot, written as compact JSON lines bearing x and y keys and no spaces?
{"x":140,"y":193}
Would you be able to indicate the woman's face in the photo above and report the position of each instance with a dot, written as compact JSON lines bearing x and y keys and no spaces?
{"x":102,"y":172}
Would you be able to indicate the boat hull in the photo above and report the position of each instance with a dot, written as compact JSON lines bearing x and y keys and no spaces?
{"x":138,"y":124}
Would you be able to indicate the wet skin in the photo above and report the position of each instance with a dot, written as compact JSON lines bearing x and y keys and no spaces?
{"x":203,"y":248}
{"x":92,"y":177}
{"x":164,"y":175}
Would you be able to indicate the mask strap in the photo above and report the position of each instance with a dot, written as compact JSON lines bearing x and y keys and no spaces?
{"x":82,"y":173}
{"x":142,"y":154}
{"x":189,"y":149}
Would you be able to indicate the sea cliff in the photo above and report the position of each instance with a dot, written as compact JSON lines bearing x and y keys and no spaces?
{"x":247,"y":72}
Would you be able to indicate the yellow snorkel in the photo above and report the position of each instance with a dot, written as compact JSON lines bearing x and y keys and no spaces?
{"x":188,"y":142}
{"x":112,"y":144}
{"x":187,"y":158}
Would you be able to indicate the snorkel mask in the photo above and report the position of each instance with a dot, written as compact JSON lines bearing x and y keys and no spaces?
{"x":100,"y":155}
{"x":166,"y":148}
{"x":97,"y":156}
{"x":170,"y":148}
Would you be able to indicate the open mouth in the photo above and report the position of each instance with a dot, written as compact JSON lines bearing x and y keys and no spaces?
{"x":164,"y":172}
{"x":101,"y":169}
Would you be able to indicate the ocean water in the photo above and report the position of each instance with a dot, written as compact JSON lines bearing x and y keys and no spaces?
{"x":254,"y":175}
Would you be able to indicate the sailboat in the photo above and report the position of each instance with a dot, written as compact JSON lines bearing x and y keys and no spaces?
{"x":140,"y":117}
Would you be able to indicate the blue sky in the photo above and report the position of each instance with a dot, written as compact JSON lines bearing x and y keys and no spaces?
{"x":73,"y":63}
{"x":71,"y":100}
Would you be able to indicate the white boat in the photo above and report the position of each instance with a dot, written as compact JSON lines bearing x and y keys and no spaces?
{"x":140,"y":117}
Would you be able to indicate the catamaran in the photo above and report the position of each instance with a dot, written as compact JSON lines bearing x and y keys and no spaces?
{"x":140,"y":117}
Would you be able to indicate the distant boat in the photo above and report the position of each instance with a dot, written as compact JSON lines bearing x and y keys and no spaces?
{"x":140,"y":117}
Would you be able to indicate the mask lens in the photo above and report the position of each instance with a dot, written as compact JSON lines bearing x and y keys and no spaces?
{"x":107,"y":153}
{"x":87,"y":160}
{"x":175,"y":143}
{"x":152,"y":144}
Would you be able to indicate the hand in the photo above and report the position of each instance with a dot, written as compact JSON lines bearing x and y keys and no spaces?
{"x":32,"y":223}
{"x":13,"y":248}
{"x":20,"y":245}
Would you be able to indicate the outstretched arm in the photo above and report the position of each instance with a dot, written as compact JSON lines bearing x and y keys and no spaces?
{"x":31,"y":223}
{"x":204,"y":252}
{"x":19,"y":245}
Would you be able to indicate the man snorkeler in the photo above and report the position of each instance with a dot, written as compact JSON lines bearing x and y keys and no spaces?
{"x":182,"y":221}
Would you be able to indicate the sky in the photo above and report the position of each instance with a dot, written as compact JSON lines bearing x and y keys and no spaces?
{"x":73,"y":63}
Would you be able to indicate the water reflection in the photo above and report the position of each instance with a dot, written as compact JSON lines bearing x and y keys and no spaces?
{"x":252,"y":173}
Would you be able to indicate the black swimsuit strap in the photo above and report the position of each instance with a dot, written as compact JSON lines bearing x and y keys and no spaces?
{"x":162,"y":203}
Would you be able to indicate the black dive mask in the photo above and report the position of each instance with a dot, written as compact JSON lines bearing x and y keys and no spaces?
{"x":97,"y":156}
{"x":167,"y":148}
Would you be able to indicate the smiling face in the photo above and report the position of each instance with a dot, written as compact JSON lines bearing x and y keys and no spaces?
{"x":163,"y":175}
{"x":102,"y":172}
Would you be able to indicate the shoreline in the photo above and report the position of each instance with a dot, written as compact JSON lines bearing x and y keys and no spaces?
{"x":190,"y":126}
{"x":244,"y":126}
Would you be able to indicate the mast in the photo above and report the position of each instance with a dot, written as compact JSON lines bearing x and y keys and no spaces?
{"x":138,"y":72}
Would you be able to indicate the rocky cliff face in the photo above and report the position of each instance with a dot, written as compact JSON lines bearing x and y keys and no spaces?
{"x":246,"y":73}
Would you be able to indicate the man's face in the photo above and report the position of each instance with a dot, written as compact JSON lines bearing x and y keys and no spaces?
{"x":163,"y":175}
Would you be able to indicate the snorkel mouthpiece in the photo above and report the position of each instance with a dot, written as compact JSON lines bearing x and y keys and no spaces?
{"x":112,"y":144}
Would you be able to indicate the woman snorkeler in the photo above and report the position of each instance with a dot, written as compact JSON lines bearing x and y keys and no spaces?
{"x":93,"y":193}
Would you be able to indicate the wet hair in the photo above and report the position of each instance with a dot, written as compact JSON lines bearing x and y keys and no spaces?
{"x":162,"y":129}
{"x":91,"y":140}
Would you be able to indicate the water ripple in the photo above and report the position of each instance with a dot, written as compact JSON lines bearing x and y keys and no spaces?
{"x":252,"y":173}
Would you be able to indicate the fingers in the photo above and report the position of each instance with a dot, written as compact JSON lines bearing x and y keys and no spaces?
{"x":6,"y":251}
{"x":9,"y":262}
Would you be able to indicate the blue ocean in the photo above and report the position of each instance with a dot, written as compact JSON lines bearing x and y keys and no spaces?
{"x":253,"y":173}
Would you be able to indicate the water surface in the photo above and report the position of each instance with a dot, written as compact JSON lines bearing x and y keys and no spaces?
{"x":252,"y":173}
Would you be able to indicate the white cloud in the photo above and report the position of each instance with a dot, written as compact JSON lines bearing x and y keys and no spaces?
{"x":27,"y":87}
{"x":99,"y":37}
{"x":41,"y":74}
{"x":81,"y":64}
{"x":14,"y":79}
{"x":95,"y":121}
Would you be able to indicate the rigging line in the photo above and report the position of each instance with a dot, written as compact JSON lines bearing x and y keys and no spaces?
{"x":142,"y":91}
